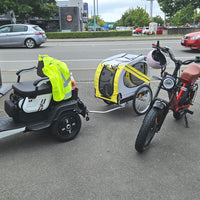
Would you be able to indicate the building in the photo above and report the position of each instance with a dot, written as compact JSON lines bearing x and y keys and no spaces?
{"x":72,"y":16}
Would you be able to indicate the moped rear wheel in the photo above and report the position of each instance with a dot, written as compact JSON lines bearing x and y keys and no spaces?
{"x":142,"y":100}
{"x":67,"y":126}
{"x":179,"y":114}
{"x":147,"y":130}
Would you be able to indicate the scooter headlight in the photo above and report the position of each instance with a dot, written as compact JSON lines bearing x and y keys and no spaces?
{"x":169,"y":83}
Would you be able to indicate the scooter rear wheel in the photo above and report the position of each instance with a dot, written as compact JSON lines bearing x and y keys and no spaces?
{"x":142,"y":100}
{"x":67,"y":126}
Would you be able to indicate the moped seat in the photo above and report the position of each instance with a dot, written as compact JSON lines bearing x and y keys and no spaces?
{"x":191,"y":73}
{"x":27,"y":89}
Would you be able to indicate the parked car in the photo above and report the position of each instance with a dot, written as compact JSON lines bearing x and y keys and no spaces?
{"x":159,"y":30}
{"x":138,"y":30}
{"x":17,"y":35}
{"x":146,"y":31}
{"x":191,"y":40}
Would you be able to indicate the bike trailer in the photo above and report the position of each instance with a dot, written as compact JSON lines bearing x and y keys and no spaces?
{"x":117,"y":78}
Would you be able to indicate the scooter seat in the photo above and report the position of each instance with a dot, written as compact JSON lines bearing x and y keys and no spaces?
{"x":27,"y":89}
{"x":191,"y":73}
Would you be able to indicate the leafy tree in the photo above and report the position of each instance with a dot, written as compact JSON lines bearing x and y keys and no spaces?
{"x":171,"y":7}
{"x":24,"y":9}
{"x":98,"y":19}
{"x":197,"y":17}
{"x":184,"y":15}
{"x":134,"y":17}
{"x":158,"y":20}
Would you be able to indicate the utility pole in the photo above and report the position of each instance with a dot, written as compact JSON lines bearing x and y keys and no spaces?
{"x":97,"y":14}
{"x":94,"y":17}
{"x":151,"y":8}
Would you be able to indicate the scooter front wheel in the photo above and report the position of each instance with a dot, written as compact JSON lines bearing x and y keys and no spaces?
{"x":147,"y":130}
{"x":142,"y":99}
{"x":67,"y":126}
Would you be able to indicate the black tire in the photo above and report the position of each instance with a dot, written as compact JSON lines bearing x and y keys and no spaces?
{"x":67,"y":126}
{"x":30,"y":43}
{"x":179,"y":114}
{"x":142,"y":100}
{"x":147,"y":130}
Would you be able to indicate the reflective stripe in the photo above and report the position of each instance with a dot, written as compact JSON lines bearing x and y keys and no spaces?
{"x":66,"y":81}
{"x":67,"y":95}
{"x":136,"y":73}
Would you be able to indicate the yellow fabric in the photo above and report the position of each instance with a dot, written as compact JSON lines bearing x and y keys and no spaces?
{"x":113,"y":98}
{"x":59,"y":76}
{"x":129,"y":69}
{"x":136,"y":73}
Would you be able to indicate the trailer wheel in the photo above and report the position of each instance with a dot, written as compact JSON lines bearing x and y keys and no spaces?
{"x":67,"y":126}
{"x":142,"y":99}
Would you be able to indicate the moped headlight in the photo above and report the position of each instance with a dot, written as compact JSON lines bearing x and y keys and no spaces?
{"x":169,"y":83}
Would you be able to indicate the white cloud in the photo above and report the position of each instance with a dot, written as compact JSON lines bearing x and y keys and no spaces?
{"x":112,"y":10}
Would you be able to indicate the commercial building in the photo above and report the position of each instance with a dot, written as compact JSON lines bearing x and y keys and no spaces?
{"x":72,"y":15}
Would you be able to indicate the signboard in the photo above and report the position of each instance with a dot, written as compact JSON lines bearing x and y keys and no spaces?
{"x":69,"y":18}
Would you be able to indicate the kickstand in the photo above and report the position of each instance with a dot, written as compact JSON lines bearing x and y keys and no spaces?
{"x":186,"y":122}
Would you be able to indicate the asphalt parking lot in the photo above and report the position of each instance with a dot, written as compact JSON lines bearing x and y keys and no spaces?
{"x":101,"y":163}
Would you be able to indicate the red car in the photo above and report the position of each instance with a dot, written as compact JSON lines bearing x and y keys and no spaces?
{"x":138,"y":30}
{"x":191,"y":40}
{"x":159,"y":31}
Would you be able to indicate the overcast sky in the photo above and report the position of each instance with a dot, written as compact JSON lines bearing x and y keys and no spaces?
{"x":112,"y":10}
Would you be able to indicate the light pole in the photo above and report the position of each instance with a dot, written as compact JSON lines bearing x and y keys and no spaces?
{"x":94,"y":17}
{"x":151,"y":7}
{"x":97,"y":14}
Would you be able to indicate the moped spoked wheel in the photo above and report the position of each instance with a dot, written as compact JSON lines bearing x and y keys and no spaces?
{"x":142,"y":100}
{"x":67,"y":126}
{"x":147,"y":130}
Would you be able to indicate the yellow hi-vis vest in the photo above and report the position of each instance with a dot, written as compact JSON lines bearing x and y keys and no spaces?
{"x":59,"y":76}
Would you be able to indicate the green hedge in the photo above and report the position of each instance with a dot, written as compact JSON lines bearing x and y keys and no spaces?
{"x":87,"y":34}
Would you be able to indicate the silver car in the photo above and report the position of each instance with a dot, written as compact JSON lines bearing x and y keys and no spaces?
{"x":17,"y":35}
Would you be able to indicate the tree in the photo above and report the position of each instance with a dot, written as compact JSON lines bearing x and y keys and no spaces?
{"x":171,"y":7}
{"x":184,"y":16}
{"x":134,"y":17}
{"x":197,"y":17}
{"x":24,"y":9}
{"x":158,"y":20}
{"x":98,"y":19}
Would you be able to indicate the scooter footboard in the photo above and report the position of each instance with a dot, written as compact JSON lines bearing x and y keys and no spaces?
{"x":9,"y":127}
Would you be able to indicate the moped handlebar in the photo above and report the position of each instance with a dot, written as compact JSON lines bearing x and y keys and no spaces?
{"x":178,"y":63}
{"x":164,"y":50}
{"x":171,"y":55}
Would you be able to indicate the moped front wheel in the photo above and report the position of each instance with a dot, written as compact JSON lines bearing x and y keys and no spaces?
{"x":148,"y":129}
